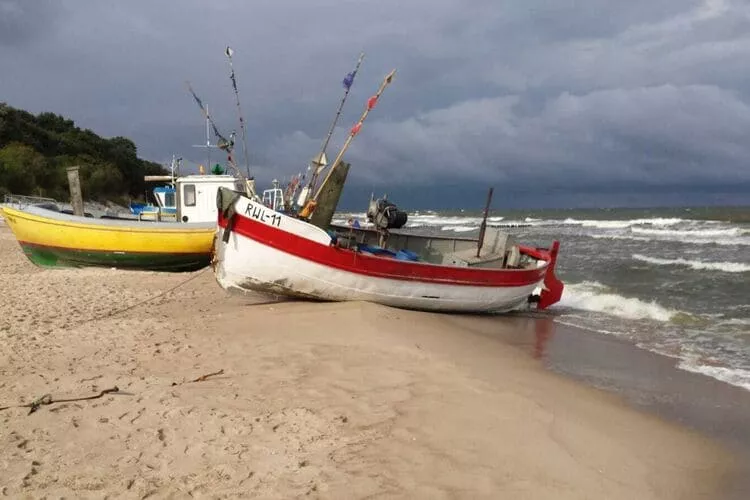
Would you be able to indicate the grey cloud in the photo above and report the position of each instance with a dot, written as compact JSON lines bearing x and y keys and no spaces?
{"x":24,"y":21}
{"x":656,"y":135}
{"x":541,"y":92}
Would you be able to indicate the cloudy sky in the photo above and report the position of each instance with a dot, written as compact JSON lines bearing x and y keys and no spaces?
{"x":574,"y":99}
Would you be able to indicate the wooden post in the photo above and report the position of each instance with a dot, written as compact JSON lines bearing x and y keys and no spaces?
{"x":76,"y":198}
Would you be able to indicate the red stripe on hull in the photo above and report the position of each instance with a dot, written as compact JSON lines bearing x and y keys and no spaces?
{"x":380,"y":267}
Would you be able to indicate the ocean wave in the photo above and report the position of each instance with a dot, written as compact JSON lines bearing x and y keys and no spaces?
{"x":735,"y":322}
{"x":459,"y":229}
{"x":434,"y":220}
{"x":618,"y":237}
{"x":595,"y":297}
{"x":738,"y":377}
{"x":727,"y":267}
{"x":690,"y":241}
{"x":623,"y":224}
{"x":694,"y":233}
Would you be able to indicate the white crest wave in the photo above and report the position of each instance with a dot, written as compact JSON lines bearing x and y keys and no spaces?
{"x":595,"y":297}
{"x":727,"y":267}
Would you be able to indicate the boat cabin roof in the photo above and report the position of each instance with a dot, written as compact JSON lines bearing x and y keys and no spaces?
{"x":197,"y":178}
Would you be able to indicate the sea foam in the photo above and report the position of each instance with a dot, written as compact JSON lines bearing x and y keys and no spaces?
{"x":595,"y":297}
{"x":738,"y":377}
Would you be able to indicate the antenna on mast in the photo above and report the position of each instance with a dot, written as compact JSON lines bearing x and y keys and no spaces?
{"x":223,"y":143}
{"x":208,"y":144}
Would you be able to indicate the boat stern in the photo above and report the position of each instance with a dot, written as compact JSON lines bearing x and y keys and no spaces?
{"x":552,"y":287}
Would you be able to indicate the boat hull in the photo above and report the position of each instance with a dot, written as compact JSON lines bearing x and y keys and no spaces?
{"x":46,"y":256}
{"x":279,"y":273}
{"x":51,"y":239}
{"x":275,"y":254}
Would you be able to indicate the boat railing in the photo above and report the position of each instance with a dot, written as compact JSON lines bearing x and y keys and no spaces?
{"x":21,"y":200}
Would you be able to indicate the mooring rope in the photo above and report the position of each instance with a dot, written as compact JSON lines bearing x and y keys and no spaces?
{"x":133,"y":306}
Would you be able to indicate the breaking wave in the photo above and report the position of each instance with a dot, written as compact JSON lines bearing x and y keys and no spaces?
{"x":696,"y":233}
{"x":738,"y":377}
{"x":458,"y":229}
{"x":623,"y":224}
{"x":595,"y":297}
{"x":727,"y":267}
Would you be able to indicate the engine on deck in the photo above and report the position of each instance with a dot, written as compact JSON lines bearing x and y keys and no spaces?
{"x":385,"y":215}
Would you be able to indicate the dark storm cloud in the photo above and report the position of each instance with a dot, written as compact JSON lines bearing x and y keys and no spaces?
{"x":545,"y":93}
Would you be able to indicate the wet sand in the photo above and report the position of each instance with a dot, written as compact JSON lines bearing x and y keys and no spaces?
{"x":345,"y":400}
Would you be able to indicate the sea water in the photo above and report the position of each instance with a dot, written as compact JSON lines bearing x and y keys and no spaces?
{"x":674,"y":281}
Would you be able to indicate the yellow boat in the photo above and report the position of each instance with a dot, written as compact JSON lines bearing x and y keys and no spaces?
{"x":50,"y":239}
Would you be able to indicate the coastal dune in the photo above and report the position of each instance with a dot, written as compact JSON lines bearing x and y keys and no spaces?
{"x":237,"y":396}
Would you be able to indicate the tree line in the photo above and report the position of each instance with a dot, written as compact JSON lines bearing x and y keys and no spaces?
{"x":36,"y":149}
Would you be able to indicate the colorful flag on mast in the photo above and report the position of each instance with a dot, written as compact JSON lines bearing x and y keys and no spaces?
{"x":349,"y":78}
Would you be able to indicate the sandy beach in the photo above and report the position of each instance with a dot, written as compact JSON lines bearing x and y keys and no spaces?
{"x":341,"y":400}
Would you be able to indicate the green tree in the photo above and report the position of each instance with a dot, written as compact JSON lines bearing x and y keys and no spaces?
{"x":37,"y":148}
{"x":19,"y":167}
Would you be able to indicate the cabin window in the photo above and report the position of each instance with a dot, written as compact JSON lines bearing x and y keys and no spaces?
{"x":169,"y":199}
{"x":189,"y":195}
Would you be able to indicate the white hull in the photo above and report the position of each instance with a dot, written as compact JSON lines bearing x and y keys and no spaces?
{"x":245,"y":264}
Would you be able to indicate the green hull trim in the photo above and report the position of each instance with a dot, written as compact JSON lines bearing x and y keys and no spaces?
{"x":44,"y":256}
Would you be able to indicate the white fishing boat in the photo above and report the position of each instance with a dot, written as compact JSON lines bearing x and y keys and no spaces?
{"x":302,"y":255}
{"x":260,"y":250}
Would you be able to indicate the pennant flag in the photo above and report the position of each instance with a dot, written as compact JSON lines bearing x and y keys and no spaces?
{"x":355,"y":129}
{"x":200,"y":103}
{"x":372,"y":101}
{"x":205,"y":113}
{"x":349,"y":79}
{"x":229,"y":52}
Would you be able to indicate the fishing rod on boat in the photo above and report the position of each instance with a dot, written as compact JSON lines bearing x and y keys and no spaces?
{"x":371,"y":102}
{"x":320,"y":161}
{"x":229,"y":52}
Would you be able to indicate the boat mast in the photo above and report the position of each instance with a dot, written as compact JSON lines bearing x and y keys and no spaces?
{"x":320,"y":161}
{"x":229,"y":53}
{"x":371,"y":102}
{"x":223,"y":143}
{"x":483,"y":227}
